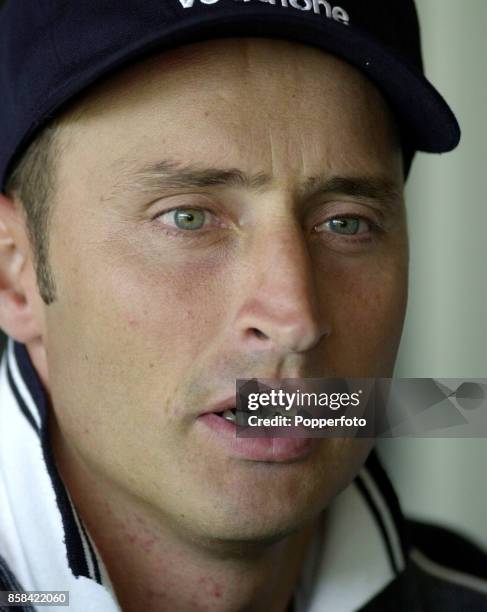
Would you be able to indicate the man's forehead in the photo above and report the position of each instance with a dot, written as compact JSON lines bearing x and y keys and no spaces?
{"x":227,"y":128}
{"x":225,"y":63}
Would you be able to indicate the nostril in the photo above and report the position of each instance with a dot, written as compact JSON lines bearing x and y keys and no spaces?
{"x":257,"y":333}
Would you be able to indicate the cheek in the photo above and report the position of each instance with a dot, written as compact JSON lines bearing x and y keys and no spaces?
{"x":137,"y":297}
{"x":377,"y":295}
{"x":130,"y":330}
{"x":366,"y":303}
{"x":175,"y":309}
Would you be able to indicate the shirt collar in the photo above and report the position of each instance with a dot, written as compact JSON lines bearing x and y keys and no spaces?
{"x":360,"y":547}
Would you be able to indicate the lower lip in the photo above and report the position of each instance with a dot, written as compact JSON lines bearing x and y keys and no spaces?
{"x":276,"y":450}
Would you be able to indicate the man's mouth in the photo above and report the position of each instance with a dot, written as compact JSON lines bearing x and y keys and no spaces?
{"x":219,"y":425}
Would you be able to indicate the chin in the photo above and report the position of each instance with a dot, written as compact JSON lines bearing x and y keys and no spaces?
{"x":266,"y":516}
{"x":247,"y":535}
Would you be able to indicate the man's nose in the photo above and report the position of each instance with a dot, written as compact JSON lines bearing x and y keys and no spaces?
{"x":280,"y":307}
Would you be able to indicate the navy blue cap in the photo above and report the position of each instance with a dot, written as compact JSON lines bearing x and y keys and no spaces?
{"x":51,"y":50}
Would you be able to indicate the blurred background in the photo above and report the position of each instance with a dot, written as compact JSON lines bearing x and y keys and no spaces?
{"x":446,"y":327}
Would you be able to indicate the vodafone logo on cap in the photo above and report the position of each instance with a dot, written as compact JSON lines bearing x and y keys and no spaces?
{"x":320,"y":7}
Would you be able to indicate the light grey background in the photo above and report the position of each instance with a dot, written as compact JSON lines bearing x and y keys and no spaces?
{"x":446,"y":326}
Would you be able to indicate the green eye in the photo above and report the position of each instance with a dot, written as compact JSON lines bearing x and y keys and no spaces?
{"x":189,"y":218}
{"x":345,"y":226}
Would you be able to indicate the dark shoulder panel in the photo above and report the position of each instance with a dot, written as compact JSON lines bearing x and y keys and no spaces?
{"x":445,"y":573}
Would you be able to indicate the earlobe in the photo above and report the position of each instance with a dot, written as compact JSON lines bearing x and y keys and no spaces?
{"x":16,"y":313}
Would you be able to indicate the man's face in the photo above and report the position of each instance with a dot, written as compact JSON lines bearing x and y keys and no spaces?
{"x":229,"y":210}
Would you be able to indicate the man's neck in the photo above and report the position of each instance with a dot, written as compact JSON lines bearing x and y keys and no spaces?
{"x":153,"y":565}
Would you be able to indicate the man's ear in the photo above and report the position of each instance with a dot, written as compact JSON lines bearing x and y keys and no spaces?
{"x":17,"y":275}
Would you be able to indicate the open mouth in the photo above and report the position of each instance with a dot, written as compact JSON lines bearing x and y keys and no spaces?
{"x":221,"y":425}
{"x":228,"y":414}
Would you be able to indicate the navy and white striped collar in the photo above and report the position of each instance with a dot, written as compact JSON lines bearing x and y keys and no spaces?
{"x":370,"y":501}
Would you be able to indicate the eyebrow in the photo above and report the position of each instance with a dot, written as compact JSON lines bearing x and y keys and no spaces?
{"x":375,"y":188}
{"x":170,"y":175}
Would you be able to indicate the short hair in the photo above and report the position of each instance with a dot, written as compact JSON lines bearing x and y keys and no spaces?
{"x":32,"y":180}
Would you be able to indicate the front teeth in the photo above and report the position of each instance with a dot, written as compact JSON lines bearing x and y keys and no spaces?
{"x":229,"y":415}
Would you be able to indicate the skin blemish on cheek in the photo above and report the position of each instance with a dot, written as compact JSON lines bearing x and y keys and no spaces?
{"x":210,"y":586}
{"x":148,"y":544}
{"x":137,"y":533}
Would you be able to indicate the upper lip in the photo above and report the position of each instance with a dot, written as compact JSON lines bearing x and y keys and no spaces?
{"x":229,"y":403}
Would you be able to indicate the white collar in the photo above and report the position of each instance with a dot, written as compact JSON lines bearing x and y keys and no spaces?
{"x":357,"y":551}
